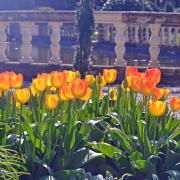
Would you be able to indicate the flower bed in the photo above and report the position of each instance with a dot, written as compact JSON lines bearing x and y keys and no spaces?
{"x":63,"y":126}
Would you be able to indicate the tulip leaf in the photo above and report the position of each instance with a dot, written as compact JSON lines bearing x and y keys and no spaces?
{"x":106,"y":149}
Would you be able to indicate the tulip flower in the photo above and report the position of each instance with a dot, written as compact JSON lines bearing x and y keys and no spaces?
{"x":39,"y":84}
{"x":100,"y":81}
{"x":153,"y":74}
{"x":47,"y":77}
{"x":58,"y":79}
{"x":22,"y":95}
{"x":175,"y":103}
{"x":157,"y":108}
{"x":158,"y":93}
{"x":70,"y":76}
{"x":66,"y":92}
{"x":110,"y":75}
{"x":16,"y":80}
{"x":136,"y":83}
{"x":34,"y":91}
{"x":79,"y":88}
{"x":5,"y":82}
{"x":51,"y":101}
{"x":126,"y":84}
{"x":147,"y":87}
{"x":90,"y":80}
{"x":0,"y":92}
{"x":131,"y":71}
{"x":88,"y":94}
{"x":113,"y":93}
{"x":62,"y":97}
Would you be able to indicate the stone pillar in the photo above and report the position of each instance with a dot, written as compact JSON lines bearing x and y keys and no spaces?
{"x":154,"y":49}
{"x":120,"y":40}
{"x":26,"y":49}
{"x":3,"y":43}
{"x":55,"y":43}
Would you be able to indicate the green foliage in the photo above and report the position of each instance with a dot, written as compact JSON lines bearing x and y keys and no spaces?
{"x":10,"y":164}
{"x":129,"y":5}
{"x":85,"y":27}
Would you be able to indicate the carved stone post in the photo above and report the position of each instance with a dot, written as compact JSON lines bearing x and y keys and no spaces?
{"x":55,"y":43}
{"x":136,"y":34}
{"x":26,"y":49}
{"x":3,"y":43}
{"x":120,"y":43}
{"x":154,"y":49}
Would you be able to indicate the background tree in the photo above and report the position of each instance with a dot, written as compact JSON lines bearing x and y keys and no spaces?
{"x":85,"y":27}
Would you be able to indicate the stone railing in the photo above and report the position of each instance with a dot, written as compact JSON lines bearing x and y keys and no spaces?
{"x":154,"y":29}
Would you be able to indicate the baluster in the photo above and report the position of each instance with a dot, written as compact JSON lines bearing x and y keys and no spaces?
{"x":3,"y":43}
{"x":177,"y":39}
{"x":154,"y":49}
{"x":106,"y":32}
{"x":120,"y":44}
{"x":26,"y":49}
{"x":136,"y":34}
{"x":146,"y":34}
{"x":162,"y":36}
{"x":55,"y":43}
{"x":169,"y":36}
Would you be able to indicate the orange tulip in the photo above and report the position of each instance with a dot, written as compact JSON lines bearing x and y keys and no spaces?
{"x":5,"y":83}
{"x":39,"y":84}
{"x":22,"y":95}
{"x":47,"y":77}
{"x":175,"y":103}
{"x":110,"y":75}
{"x":131,"y":71}
{"x":157,"y":108}
{"x":16,"y":80}
{"x":88,"y":94}
{"x":153,"y":74}
{"x":166,"y":92}
{"x":147,"y":87}
{"x":90,"y":80}
{"x":58,"y":78}
{"x":51,"y":101}
{"x":79,"y":88}
{"x":136,"y":83}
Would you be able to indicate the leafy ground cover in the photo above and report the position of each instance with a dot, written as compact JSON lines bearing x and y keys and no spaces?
{"x":64,"y":127}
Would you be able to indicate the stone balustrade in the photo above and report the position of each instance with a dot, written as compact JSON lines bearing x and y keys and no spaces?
{"x":153,"y":29}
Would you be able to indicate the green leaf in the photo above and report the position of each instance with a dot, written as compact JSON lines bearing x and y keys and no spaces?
{"x":125,"y":141}
{"x":106,"y":149}
{"x":136,"y":156}
{"x":67,"y":174}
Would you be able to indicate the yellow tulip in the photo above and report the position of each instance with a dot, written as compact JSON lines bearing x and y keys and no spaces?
{"x":110,"y":75}
{"x":90,"y":80}
{"x":22,"y":95}
{"x":157,"y":108}
{"x":113,"y":93}
{"x":34,"y":91}
{"x":39,"y":84}
{"x":51,"y":101}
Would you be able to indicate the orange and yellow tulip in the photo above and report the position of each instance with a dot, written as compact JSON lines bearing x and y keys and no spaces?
{"x":110,"y":75}
{"x":131,"y":71}
{"x":22,"y":95}
{"x":90,"y":79}
{"x":157,"y":108}
{"x":66,"y":92}
{"x":51,"y":101}
{"x":34,"y":91}
{"x":70,"y":76}
{"x":79,"y":88}
{"x":136,"y":83}
{"x":153,"y":74}
{"x":175,"y":103}
{"x":88,"y":94}
{"x":58,"y":79}
{"x":147,"y":87}
{"x":5,"y":82}
{"x":16,"y":80}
